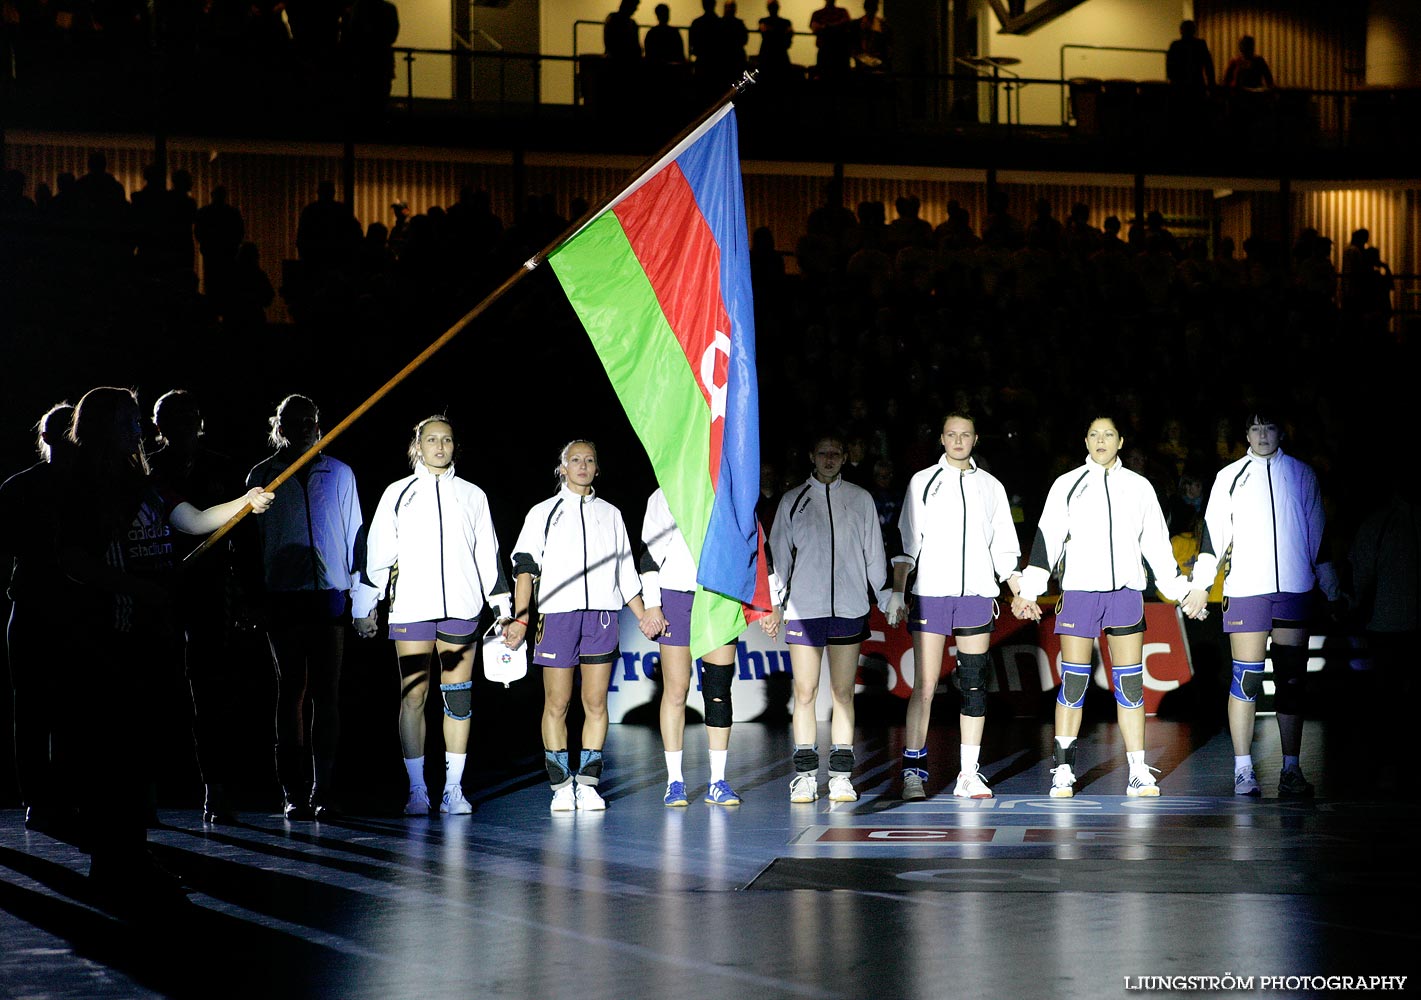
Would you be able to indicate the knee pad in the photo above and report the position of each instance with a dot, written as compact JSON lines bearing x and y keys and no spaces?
{"x":1247,"y":681}
{"x":1128,"y":683}
{"x":806,"y":759}
{"x":1075,"y":678}
{"x":458,"y":700}
{"x":1290,"y":666}
{"x":971,"y":674}
{"x":841,"y":760}
{"x":589,"y":768}
{"x":715,"y":687}
{"x":556,"y":761}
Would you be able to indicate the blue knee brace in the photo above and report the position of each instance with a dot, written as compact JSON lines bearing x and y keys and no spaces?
{"x":1128,"y":682}
{"x":1247,"y":680}
{"x":1075,"y":678}
{"x":458,"y":700}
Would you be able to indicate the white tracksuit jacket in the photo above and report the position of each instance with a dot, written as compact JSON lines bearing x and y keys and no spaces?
{"x":1265,"y":519}
{"x":432,"y":548}
{"x":578,"y":547}
{"x":1103,"y":521}
{"x":667,"y":560}
{"x":826,"y":548}
{"x":957,"y":532}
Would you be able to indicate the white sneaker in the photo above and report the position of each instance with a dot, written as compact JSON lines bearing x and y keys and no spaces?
{"x":971,"y":786}
{"x":841,"y":789}
{"x":804,"y":787}
{"x":1246,"y":783}
{"x":588,"y":800}
{"x":418,"y":804}
{"x":1142,"y":782}
{"x":1063,"y":781}
{"x":454,"y":802}
{"x":564,"y":799}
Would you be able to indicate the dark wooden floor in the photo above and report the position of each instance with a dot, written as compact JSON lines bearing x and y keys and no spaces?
{"x":1020,"y":896}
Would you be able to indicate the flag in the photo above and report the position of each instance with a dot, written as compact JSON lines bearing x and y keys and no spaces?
{"x":661,"y":281}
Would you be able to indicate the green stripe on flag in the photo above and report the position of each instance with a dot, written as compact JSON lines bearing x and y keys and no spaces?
{"x":612,"y":296}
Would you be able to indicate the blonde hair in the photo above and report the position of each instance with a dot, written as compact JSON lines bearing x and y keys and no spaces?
{"x":562,"y":456}
{"x":437,"y":418}
{"x":297,"y":400}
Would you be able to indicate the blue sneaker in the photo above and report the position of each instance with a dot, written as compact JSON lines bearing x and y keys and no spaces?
{"x":676,"y":794}
{"x":721,"y":794}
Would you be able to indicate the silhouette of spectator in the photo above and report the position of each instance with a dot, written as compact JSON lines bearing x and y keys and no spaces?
{"x":99,"y":194}
{"x":148,"y":209}
{"x":831,"y":218}
{"x":368,"y":38}
{"x":776,"y":36}
{"x":737,"y":36}
{"x":177,"y":220}
{"x":1044,"y":231}
{"x":621,"y":42}
{"x":1001,"y":229}
{"x":872,"y":45}
{"x":832,"y":28}
{"x":664,"y":46}
{"x":400,"y":231}
{"x":1354,"y":271}
{"x":709,"y":49}
{"x":908,"y":230}
{"x":327,"y":232}
{"x":249,"y":293}
{"x":1248,"y":70}
{"x":219,"y":230}
{"x":1080,"y":238}
{"x":1188,"y":65}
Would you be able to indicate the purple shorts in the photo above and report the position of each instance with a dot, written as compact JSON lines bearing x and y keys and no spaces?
{"x":1086,"y":612}
{"x":952,"y":615}
{"x":1265,"y":612}
{"x":459,"y":631}
{"x":567,"y":638}
{"x":676,"y":609}
{"x":822,"y":632}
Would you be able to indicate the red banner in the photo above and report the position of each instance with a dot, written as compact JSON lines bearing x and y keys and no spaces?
{"x":1026,"y":657}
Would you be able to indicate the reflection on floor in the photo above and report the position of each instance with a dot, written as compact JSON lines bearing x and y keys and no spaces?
{"x":1019,"y":896}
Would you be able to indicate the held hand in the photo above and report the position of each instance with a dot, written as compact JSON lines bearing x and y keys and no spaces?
{"x":367,"y":627}
{"x":896,"y":611}
{"x":1194,"y":604}
{"x":1025,"y":610}
{"x":259,"y":499}
{"x":653,"y":623}
{"x":513,"y":634}
{"x":770,"y":624}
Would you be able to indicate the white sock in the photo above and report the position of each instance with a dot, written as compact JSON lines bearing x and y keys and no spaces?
{"x":1064,"y":742}
{"x":717,"y":762}
{"x":970,"y":755}
{"x":1135,"y":758}
{"x":1243,"y":763}
{"x":454,"y":768}
{"x":673,"y":765}
{"x":414,"y":767}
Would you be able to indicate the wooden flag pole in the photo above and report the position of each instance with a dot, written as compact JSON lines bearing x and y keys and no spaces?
{"x":531,"y":264}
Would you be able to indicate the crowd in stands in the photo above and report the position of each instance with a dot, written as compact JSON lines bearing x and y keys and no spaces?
{"x":1032,"y":324}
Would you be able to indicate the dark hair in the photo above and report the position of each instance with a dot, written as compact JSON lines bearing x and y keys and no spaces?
{"x":839,"y":438}
{"x":958,"y":415}
{"x":437,"y":418}
{"x":112,"y":475}
{"x":52,"y":430}
{"x":173,"y":408}
{"x":293,"y":401}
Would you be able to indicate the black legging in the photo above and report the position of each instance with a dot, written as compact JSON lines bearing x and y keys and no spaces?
{"x":308,"y":659}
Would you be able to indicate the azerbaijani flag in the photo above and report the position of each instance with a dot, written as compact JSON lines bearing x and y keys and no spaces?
{"x":661,"y":281}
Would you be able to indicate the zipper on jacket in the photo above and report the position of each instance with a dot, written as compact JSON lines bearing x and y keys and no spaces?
{"x":832,"y":554}
{"x":586,"y":590}
{"x":1273,"y":514}
{"x":1110,"y":523}
{"x":443,"y":586}
{"x":962,"y":489}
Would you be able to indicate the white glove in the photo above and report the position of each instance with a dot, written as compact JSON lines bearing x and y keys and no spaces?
{"x":897,"y":609}
{"x":502,"y":605}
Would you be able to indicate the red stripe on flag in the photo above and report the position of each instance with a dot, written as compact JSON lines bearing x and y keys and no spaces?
{"x":681,"y":259}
